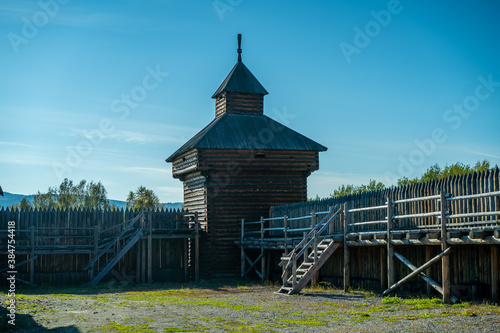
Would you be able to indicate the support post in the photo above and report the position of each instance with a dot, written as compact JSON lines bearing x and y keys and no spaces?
{"x":150,"y":248}
{"x":494,"y":273}
{"x":186,"y":260}
{"x":347,"y":255}
{"x":285,"y":223}
{"x":32,"y":254}
{"x":390,"y":248}
{"x":428,"y":256}
{"x":383,"y":267}
{"x":294,"y":270}
{"x":196,"y":248}
{"x":261,"y":230}
{"x":138,"y":248}
{"x":445,"y":260}
{"x":242,"y":247}
{"x":263,"y":264}
{"x":143,"y":261}
{"x":262,"y":260}
{"x":143,"y":254}
{"x":96,"y":251}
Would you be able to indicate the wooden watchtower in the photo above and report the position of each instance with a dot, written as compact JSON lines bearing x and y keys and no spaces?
{"x":239,"y":165}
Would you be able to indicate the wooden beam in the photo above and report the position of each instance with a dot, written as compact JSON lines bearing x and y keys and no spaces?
{"x":32,"y":255}
{"x":390,"y":247}
{"x":446,"y":272}
{"x":494,"y":274}
{"x":253,"y":263}
{"x":347,"y":255}
{"x":150,"y":248}
{"x":428,"y":257}
{"x":383,"y":267}
{"x":418,"y":271}
{"x":196,"y":248}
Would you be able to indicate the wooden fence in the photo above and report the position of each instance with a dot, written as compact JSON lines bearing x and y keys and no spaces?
{"x":472,"y":228}
{"x":488,"y":181}
{"x":58,"y":244}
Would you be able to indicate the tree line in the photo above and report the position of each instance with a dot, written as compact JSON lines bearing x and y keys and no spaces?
{"x":83,"y":195}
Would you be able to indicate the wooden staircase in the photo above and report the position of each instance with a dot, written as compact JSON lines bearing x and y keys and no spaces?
{"x":112,"y":262}
{"x":305,"y":260}
{"x":129,"y":235}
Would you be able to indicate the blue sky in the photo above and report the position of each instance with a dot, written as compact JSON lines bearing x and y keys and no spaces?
{"x":107,"y":90}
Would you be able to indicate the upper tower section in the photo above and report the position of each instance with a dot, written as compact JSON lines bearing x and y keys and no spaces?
{"x":241,"y":92}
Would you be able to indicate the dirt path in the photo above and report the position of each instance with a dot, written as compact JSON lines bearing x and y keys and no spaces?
{"x":231,"y":306}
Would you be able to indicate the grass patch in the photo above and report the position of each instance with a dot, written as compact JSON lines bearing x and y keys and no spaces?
{"x":118,"y":327}
{"x":304,"y":322}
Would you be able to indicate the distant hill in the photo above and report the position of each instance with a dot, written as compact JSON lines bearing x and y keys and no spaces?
{"x":13,"y":199}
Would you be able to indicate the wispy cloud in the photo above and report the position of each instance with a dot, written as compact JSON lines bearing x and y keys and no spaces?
{"x":16,"y":144}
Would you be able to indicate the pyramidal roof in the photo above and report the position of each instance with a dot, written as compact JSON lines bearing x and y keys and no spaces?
{"x":240,"y":79}
{"x":234,"y":131}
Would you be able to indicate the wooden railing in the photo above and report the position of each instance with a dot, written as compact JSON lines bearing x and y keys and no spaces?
{"x":450,"y":220}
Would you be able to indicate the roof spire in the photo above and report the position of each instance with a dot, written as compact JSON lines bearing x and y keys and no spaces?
{"x":239,"y":47}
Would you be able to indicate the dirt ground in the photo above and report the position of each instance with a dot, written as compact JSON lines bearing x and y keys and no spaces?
{"x":236,"y":306}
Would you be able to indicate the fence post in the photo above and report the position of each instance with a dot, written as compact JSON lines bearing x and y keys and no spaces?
{"x":285,"y":223}
{"x":261,"y":229}
{"x":445,"y":260}
{"x":143,"y":254}
{"x":347,"y":268}
{"x":390,"y":248}
{"x":32,"y":254}
{"x":494,"y":273}
{"x":96,"y":250}
{"x":262,"y":259}
{"x":331,"y":227}
{"x":242,"y":248}
{"x":196,"y":248}
{"x":313,"y":218}
{"x":150,"y":247}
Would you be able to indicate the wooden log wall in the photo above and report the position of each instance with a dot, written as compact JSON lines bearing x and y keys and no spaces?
{"x":65,"y":240}
{"x":232,"y":102}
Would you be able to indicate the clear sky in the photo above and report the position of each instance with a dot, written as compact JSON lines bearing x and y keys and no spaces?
{"x":107,"y":90}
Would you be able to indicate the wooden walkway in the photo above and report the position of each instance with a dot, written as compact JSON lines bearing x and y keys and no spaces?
{"x":371,"y":226}
{"x":103,"y":248}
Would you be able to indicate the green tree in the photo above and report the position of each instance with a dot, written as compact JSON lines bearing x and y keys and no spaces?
{"x":68,"y":195}
{"x":44,"y":200}
{"x":96,"y":196}
{"x":25,"y":204}
{"x":434,"y":172}
{"x":349,"y":189}
{"x":143,"y":199}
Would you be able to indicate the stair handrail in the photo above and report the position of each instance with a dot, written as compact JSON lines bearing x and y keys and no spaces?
{"x":115,"y":239}
{"x":321,"y":225}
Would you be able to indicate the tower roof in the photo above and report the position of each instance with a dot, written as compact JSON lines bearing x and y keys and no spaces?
{"x":236,"y":131}
{"x":240,"y":79}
